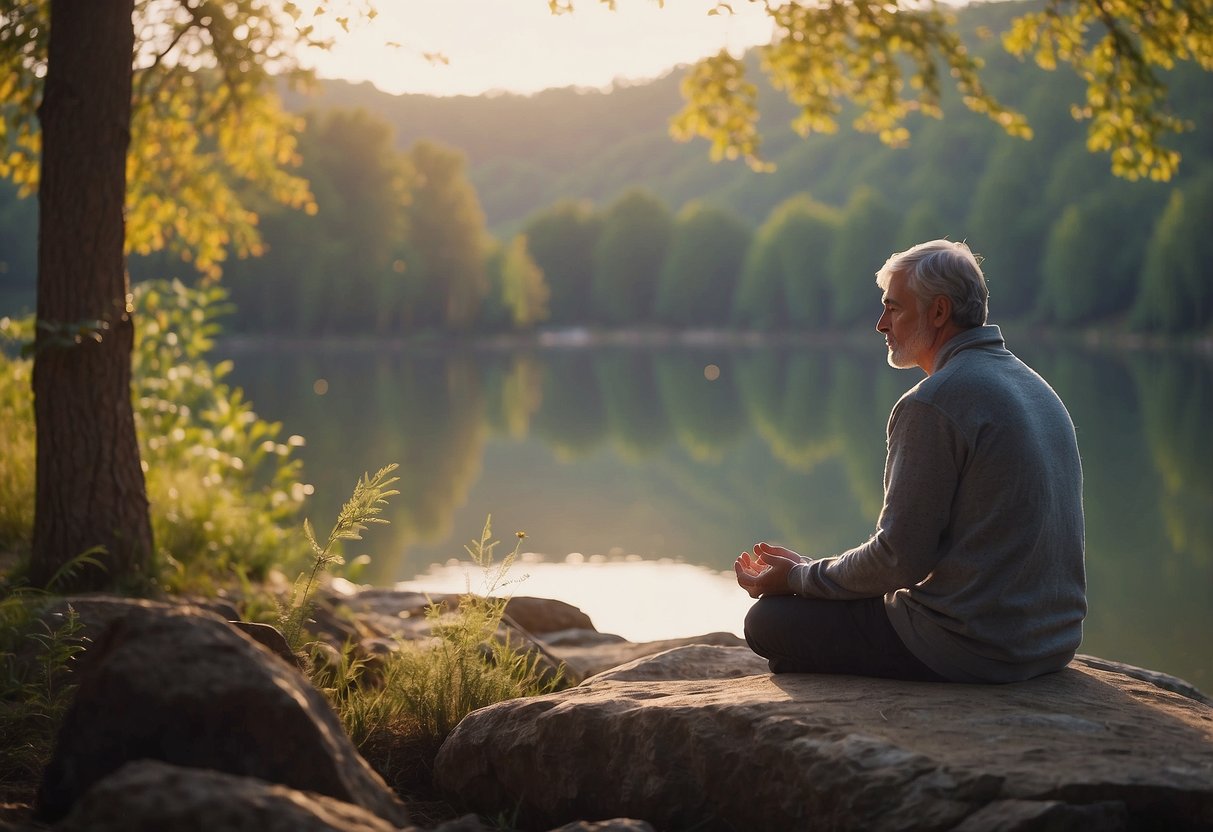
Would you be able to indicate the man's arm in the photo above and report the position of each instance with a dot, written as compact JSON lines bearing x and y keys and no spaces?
{"x":926,"y":455}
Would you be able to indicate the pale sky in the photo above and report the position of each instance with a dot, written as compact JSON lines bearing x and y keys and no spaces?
{"x":519,"y":46}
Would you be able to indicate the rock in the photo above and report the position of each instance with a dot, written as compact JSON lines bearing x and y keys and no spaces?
{"x":1046,"y":815}
{"x":93,"y":616}
{"x":614,"y":825}
{"x":580,"y":638}
{"x":271,"y":639}
{"x":698,"y":661}
{"x":586,"y":660}
{"x":183,"y":687}
{"x":542,"y":615}
{"x":1160,"y":680}
{"x":1083,"y":748}
{"x":150,"y":796}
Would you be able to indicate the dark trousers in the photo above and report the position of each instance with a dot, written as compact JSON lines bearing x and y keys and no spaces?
{"x":808,"y":635}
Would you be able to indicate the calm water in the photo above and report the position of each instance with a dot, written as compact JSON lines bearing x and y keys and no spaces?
{"x":639,"y":473}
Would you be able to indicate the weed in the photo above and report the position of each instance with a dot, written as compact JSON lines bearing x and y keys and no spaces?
{"x":423,"y":690}
{"x":363,"y":508}
{"x":35,"y":686}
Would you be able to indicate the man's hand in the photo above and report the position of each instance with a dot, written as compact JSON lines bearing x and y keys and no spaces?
{"x":766,"y":571}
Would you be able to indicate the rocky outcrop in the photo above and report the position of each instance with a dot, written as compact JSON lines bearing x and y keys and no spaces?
{"x":149,"y":796}
{"x":670,"y":741}
{"x":180,"y":685}
{"x":587,"y":652}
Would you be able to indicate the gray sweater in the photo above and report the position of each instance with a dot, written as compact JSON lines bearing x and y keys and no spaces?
{"x":978,"y":551}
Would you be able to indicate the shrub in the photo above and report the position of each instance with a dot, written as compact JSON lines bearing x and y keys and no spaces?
{"x":223,"y":486}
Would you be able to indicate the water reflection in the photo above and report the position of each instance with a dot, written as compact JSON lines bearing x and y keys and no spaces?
{"x":636,"y":451}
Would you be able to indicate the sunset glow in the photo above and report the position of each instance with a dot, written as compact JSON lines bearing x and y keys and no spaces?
{"x":469,"y":47}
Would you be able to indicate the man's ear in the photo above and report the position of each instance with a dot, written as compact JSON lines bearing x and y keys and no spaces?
{"x":940,"y":311}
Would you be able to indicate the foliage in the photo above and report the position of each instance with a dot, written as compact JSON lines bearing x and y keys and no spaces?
{"x":1009,"y":226}
{"x":866,"y":235}
{"x":561,"y":241}
{"x":759,"y":301}
{"x":629,"y":255}
{"x":17,"y":428}
{"x":36,"y":649}
{"x":363,"y":508}
{"x":702,"y":267}
{"x":221,"y":483}
{"x":524,"y":291}
{"x":886,"y":59}
{"x":798,"y":238}
{"x":207,"y":128}
{"x":448,"y":232}
{"x":1125,"y":98}
{"x":343,"y":266}
{"x":1176,"y":294}
{"x":1083,"y":278}
{"x":426,"y":690}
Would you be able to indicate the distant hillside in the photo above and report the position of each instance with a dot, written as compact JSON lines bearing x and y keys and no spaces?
{"x":525,"y":152}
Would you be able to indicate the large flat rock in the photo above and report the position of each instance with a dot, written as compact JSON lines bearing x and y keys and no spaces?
{"x":1091,"y":747}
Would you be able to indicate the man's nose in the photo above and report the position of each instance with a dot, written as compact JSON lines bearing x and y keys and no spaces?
{"x":881,"y":326}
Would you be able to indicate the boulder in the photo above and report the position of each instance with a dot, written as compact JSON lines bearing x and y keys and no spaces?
{"x":150,"y":796}
{"x":613,"y":825}
{"x":678,"y":746}
{"x":543,"y":615}
{"x":696,"y":661}
{"x":181,"y":686}
{"x":588,"y":657}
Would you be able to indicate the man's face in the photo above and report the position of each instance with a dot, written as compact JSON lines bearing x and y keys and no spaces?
{"x":905,"y":327}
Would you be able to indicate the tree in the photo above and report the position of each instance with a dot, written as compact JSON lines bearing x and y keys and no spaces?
{"x":82,"y":365}
{"x":1176,"y":293}
{"x":861,"y":51}
{"x":73,"y":105}
{"x":340,"y":268}
{"x":1008,"y":227}
{"x":523,"y":289}
{"x":448,"y":238}
{"x":759,"y":301}
{"x":561,"y":240}
{"x":867,"y":234}
{"x":628,"y":257}
{"x":1084,"y":278}
{"x":701,"y":270}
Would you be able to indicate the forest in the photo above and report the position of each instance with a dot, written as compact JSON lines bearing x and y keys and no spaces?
{"x":575,"y":208}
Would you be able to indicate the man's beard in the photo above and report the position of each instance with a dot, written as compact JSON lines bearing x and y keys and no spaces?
{"x":904,"y":355}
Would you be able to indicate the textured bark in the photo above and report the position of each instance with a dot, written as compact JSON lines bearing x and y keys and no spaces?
{"x":90,"y":487}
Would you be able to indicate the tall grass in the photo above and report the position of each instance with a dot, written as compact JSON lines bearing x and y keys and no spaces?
{"x":362,"y":509}
{"x":421,"y":692}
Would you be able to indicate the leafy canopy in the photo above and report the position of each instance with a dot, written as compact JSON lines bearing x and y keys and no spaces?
{"x":886,"y":58}
{"x":207,"y":128}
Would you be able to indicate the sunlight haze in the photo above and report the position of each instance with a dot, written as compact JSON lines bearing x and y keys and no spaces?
{"x":519,"y":46}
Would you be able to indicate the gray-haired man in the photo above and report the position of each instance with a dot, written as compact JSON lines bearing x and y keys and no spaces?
{"x":975,"y":572}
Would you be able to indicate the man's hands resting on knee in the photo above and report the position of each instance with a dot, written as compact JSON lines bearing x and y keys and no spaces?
{"x":766,"y":571}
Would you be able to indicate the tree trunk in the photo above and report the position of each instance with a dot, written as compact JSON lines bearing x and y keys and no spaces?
{"x":90,"y":487}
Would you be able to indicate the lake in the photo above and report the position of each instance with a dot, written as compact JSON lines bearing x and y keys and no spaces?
{"x":639,"y":472}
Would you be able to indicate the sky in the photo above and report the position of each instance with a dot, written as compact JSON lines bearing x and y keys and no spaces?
{"x":520,"y":46}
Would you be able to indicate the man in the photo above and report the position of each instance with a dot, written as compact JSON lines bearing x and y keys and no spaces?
{"x":975,"y":572}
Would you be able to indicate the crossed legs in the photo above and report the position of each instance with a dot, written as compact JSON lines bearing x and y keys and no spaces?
{"x":808,"y":635}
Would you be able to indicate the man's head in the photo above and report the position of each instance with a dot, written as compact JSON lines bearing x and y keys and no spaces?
{"x":931,"y":292}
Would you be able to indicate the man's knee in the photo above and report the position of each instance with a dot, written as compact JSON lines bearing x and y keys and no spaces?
{"x":761,"y":622}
